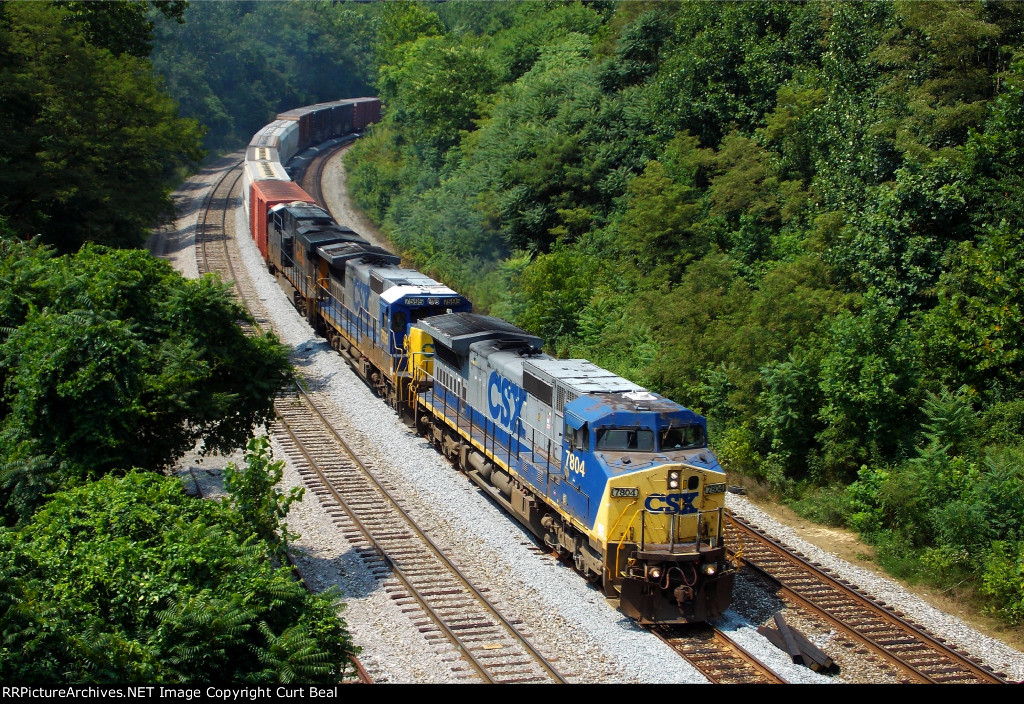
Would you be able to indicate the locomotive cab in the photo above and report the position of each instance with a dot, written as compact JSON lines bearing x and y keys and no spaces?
{"x":662,"y":509}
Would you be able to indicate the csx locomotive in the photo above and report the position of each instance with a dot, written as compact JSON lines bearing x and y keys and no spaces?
{"x":616,"y":478}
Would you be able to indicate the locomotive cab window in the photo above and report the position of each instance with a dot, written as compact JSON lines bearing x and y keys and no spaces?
{"x":685,"y":437}
{"x":398,"y":322}
{"x":579,"y":439}
{"x":625,"y":439}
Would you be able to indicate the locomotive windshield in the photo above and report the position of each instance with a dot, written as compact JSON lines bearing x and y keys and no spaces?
{"x":623,"y":439}
{"x":685,"y":437}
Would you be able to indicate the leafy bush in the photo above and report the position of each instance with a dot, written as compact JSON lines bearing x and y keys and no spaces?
{"x":130,"y":580}
{"x":827,"y":505}
{"x":254,"y":494}
{"x":118,"y":361}
{"x":1003,"y":580}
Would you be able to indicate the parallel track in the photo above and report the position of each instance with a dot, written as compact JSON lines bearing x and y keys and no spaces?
{"x":438,"y":598}
{"x":417,"y":574}
{"x":212,"y":232}
{"x":909,"y":649}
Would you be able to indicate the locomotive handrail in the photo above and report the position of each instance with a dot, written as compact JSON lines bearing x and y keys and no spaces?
{"x":618,"y":520}
{"x":618,"y":548}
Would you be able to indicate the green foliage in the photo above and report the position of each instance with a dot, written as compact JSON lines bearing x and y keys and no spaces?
{"x":558,"y":286}
{"x":948,"y":520}
{"x":796,"y":218}
{"x":1003,"y":581}
{"x":122,"y":26}
{"x":117,"y":362}
{"x":951,"y":423}
{"x":434,"y":88}
{"x":790,"y":400}
{"x":233,"y":65}
{"x":402,"y":23}
{"x":95,"y":145}
{"x":868,"y":379}
{"x":254,"y":494}
{"x":657,"y":225}
{"x":827,"y":505}
{"x":130,"y":580}
{"x":973,"y":335}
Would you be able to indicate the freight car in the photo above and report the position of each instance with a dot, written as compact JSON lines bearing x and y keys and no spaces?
{"x":615,"y":478}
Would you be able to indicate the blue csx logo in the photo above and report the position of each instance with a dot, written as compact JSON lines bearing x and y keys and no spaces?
{"x":504,"y":400}
{"x":362,"y":295}
{"x":671,"y":503}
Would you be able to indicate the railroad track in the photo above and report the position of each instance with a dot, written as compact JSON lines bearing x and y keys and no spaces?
{"x":493,"y":652}
{"x":718,"y":657}
{"x":909,"y":650}
{"x":213,"y":229}
{"x":420,"y":578}
{"x":445,"y":606}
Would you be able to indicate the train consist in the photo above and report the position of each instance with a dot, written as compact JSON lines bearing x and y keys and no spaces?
{"x":616,"y":478}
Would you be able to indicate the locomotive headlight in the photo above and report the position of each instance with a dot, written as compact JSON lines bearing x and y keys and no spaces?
{"x":710,"y":569}
{"x":654,"y":573}
{"x":673,"y":478}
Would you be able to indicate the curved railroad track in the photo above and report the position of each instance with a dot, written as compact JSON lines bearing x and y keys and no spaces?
{"x":443,"y":603}
{"x":910,"y":651}
{"x":213,"y":227}
{"x":418,"y":575}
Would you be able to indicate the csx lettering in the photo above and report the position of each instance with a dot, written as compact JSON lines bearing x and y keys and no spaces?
{"x":671,"y":503}
{"x":575,"y":464}
{"x":504,"y":400}
{"x":362,"y":295}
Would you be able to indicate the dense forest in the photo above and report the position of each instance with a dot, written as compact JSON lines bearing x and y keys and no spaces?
{"x":800,"y":219}
{"x":112,"y":366}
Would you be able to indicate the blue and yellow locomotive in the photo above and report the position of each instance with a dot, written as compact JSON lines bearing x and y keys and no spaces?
{"x":353,"y":292}
{"x":606,"y":473}
{"x":602,"y":470}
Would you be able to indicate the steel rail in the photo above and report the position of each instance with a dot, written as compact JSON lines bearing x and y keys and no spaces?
{"x":979,"y":672}
{"x":201,"y":225}
{"x":464,"y":651}
{"x":434,"y":549}
{"x":726,"y":647}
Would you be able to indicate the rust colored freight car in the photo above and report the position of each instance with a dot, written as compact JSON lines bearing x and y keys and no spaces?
{"x":265,"y":195}
{"x":366,"y":112}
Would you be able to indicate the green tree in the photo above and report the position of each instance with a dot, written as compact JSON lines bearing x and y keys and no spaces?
{"x":95,"y":147}
{"x":121,"y":362}
{"x":869,"y":381}
{"x":973,"y":335}
{"x":122,"y":26}
{"x":254,"y":494}
{"x":130,"y":580}
{"x":434,"y":86}
{"x":657,"y":226}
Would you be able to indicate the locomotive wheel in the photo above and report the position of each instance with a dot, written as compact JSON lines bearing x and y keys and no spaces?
{"x":380,"y":386}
